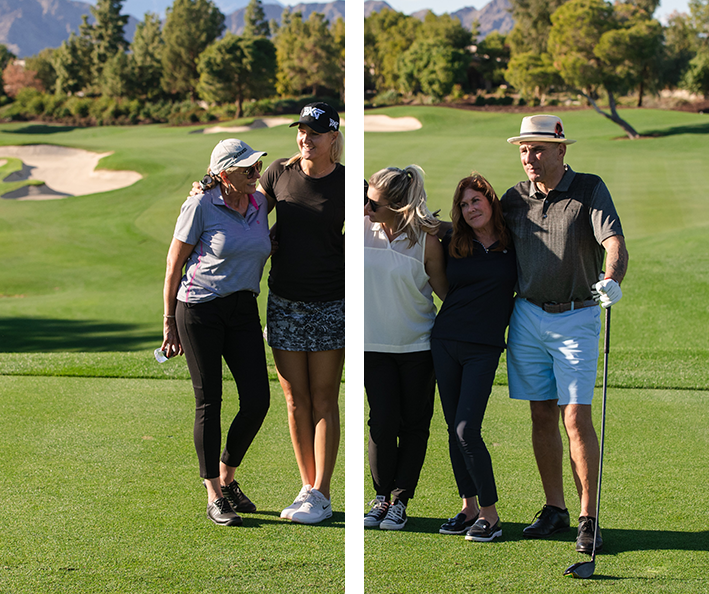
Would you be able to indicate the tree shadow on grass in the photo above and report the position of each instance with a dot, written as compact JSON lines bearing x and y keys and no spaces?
{"x":32,"y":335}
{"x":40,"y":129}
{"x":674,"y":130}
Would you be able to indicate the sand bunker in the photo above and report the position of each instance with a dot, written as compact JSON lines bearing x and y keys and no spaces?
{"x":64,"y":171}
{"x":264,"y":123}
{"x":259,"y":123}
{"x":384,"y":123}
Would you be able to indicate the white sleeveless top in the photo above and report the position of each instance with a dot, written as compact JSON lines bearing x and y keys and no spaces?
{"x":398,"y":299}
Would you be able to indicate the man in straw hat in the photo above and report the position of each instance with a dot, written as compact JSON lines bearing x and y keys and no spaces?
{"x":563,"y":224}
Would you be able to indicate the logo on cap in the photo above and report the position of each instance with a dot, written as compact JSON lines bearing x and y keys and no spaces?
{"x":313,"y":112}
{"x":334,"y":124}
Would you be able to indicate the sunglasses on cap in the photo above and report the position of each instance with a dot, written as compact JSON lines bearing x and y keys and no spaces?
{"x":251,"y":171}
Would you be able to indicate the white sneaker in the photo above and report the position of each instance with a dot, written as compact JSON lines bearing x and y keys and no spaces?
{"x":287,"y":513}
{"x":395,"y":518}
{"x":380,"y":506}
{"x":314,"y":509}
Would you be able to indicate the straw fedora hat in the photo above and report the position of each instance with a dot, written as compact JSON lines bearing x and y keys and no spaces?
{"x":541,"y":128}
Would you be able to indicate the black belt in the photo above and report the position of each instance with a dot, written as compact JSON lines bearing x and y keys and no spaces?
{"x":551,"y":307}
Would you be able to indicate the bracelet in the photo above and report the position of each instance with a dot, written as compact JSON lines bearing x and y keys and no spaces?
{"x":166,"y":316}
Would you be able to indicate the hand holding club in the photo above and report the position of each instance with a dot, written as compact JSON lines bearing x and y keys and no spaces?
{"x":607,"y":292}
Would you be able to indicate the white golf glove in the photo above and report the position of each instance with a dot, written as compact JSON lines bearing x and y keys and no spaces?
{"x":607,"y":292}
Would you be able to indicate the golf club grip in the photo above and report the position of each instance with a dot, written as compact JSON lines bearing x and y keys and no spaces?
{"x":607,"y":336}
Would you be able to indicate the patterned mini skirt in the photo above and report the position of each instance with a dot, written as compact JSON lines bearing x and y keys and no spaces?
{"x":305,"y":326}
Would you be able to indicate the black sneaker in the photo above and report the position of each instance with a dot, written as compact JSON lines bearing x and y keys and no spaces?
{"x":457,"y":524}
{"x":237,"y":499}
{"x":584,"y":540}
{"x":380,"y":507}
{"x":220,"y":512}
{"x":481,"y":531}
{"x":549,"y":520}
{"x":395,"y":518}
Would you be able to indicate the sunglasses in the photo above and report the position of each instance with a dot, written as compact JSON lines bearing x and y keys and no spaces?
{"x":251,"y":171}
{"x":374,"y":206}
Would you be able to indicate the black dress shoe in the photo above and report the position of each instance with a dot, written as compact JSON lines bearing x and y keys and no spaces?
{"x":584,"y":540}
{"x":548,"y":521}
{"x":457,"y":524}
{"x":238,"y":499}
{"x":481,"y":531}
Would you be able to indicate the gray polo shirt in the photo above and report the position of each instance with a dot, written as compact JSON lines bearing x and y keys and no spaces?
{"x":230,"y":250}
{"x":558,"y":236}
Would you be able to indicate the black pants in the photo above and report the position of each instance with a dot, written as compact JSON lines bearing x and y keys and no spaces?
{"x":400,"y":391}
{"x":465,"y":372}
{"x":226,"y":327}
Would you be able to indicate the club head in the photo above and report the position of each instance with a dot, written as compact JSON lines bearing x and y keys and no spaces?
{"x":582,"y":570}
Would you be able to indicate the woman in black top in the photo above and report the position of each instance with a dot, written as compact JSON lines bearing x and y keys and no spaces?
{"x":306,"y":302}
{"x":467,"y":340}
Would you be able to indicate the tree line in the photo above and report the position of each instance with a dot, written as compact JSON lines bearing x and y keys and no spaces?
{"x":594,"y":48}
{"x":188,"y":57}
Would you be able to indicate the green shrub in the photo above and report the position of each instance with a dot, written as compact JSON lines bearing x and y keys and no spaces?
{"x":386,"y":98}
{"x":79,"y":106}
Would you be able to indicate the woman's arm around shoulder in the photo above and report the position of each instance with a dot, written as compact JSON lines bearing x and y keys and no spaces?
{"x":270,"y":199}
{"x":435,"y":266}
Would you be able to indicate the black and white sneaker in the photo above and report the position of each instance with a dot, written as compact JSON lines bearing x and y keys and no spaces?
{"x":374,"y":518}
{"x":458,"y":524}
{"x":481,"y":531}
{"x":395,"y":518}
{"x":238,"y":499}
{"x":220,"y":512}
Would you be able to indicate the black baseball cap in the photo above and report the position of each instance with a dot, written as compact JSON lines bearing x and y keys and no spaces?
{"x":320,"y":117}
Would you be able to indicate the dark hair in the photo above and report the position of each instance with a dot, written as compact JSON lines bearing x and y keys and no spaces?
{"x":462,"y":245}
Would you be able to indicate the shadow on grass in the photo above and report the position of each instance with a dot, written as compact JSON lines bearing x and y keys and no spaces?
{"x":616,"y":540}
{"x":674,"y":130}
{"x":40,"y":129}
{"x":511,"y":531}
{"x":255,"y":521}
{"x":31,"y":335}
{"x":621,"y":541}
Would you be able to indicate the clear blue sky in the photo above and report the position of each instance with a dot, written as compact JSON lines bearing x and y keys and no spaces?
{"x":441,"y":6}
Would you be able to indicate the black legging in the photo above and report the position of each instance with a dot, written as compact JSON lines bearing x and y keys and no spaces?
{"x":226,"y":327}
{"x":400,"y":391}
{"x":465,"y":372}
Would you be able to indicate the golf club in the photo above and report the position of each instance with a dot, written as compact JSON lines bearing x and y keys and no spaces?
{"x":584,"y":569}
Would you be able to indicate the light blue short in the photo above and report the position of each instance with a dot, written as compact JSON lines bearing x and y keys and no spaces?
{"x":553,"y":356}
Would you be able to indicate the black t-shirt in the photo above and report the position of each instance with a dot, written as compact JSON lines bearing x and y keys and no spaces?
{"x":480,"y":296}
{"x":309,"y":264}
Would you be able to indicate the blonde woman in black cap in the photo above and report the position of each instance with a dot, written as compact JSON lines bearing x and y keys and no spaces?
{"x":306,"y":302}
{"x":222,"y":241}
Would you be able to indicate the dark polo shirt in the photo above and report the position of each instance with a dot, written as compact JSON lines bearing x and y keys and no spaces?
{"x":558,"y":237}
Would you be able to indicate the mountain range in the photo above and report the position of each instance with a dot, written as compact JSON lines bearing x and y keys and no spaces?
{"x":494,"y":16}
{"x":29,"y":26}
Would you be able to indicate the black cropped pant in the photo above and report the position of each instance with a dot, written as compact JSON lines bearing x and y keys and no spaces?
{"x":227,"y":327}
{"x":400,"y":391}
{"x":465,"y":372}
